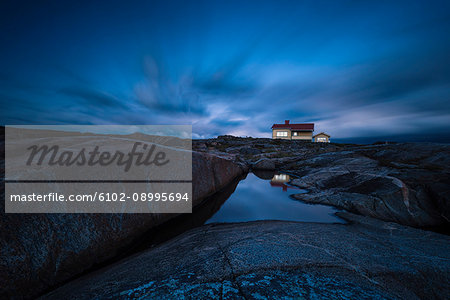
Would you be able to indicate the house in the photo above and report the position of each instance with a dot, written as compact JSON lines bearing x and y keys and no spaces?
{"x":287,"y":131}
{"x":322,"y":137}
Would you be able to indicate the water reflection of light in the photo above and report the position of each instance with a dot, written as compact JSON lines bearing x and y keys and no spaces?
{"x":254,"y":200}
{"x":279,"y":180}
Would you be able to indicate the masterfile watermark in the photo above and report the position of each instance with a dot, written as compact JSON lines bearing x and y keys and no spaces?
{"x":146,"y":157}
{"x":146,"y":169}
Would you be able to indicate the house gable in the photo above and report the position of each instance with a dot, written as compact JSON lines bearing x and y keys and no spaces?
{"x":322,"y":137}
{"x":322,"y":134}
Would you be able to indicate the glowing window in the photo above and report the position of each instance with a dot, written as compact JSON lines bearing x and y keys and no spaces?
{"x":282,"y":133}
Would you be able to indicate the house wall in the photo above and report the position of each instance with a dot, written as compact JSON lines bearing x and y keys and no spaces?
{"x":274,"y":134}
{"x":303,"y":135}
{"x":322,"y":136}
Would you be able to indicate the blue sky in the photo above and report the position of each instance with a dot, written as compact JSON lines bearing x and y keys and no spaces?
{"x":354,"y":68}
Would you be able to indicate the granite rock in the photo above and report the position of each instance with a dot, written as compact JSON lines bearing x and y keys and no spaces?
{"x":365,"y":259}
{"x":39,"y":251}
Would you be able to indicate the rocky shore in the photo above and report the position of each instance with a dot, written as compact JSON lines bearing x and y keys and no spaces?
{"x":366,"y":259}
{"x":390,"y":192}
{"x":41,"y":251}
{"x":404,"y":183}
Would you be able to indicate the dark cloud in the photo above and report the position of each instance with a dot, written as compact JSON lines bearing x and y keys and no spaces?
{"x":225,"y":80}
{"x":398,"y":76}
{"x":93,"y":98}
{"x":365,"y":69}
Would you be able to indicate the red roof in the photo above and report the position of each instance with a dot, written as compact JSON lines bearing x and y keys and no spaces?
{"x":301,"y":126}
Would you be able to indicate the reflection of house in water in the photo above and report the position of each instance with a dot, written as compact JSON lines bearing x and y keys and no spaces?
{"x":280,"y":180}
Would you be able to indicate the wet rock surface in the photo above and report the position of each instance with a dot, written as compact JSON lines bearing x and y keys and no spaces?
{"x":404,"y":183}
{"x":366,"y":259}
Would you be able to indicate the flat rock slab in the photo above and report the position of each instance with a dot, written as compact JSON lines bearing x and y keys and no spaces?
{"x":364,"y":259}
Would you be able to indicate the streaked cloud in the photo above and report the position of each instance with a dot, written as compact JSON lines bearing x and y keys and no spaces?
{"x":355,"y":69}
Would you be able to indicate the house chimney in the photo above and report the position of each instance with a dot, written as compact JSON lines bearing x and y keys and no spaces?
{"x":286,"y":122}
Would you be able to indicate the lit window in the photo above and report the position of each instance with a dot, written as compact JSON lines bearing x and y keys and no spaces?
{"x":295,"y":133}
{"x":282,"y":133}
{"x":321,"y":139}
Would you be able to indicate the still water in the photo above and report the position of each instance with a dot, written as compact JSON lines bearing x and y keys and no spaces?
{"x":267,"y":198}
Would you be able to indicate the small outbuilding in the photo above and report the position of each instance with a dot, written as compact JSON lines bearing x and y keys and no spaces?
{"x":322,"y":138}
